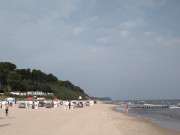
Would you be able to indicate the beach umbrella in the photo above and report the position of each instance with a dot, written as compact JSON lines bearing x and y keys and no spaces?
{"x":55,"y":99}
{"x":30,"y":98}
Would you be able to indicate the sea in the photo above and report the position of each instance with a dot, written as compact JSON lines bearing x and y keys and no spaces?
{"x":165,"y":113}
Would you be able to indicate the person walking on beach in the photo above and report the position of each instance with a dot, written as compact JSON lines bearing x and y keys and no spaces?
{"x":127,"y":109}
{"x":33,"y":105}
{"x":6,"y":111}
{"x":69,"y":104}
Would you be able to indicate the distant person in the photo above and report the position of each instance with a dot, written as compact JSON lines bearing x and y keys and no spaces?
{"x":127,"y":109}
{"x":33,"y":105}
{"x":6,"y":111}
{"x":69,"y":104}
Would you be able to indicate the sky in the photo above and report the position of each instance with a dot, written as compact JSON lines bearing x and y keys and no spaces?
{"x":122,"y":49}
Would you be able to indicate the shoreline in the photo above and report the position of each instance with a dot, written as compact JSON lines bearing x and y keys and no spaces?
{"x":147,"y":121}
{"x":98,"y":119}
{"x":144,"y":121}
{"x":158,"y":123}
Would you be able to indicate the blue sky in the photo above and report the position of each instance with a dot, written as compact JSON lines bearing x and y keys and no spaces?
{"x":123,"y":49}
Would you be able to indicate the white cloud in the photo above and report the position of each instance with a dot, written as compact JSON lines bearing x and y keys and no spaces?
{"x":113,"y":35}
{"x":104,"y":40}
{"x":46,"y":24}
{"x":125,"y":33}
{"x":107,"y":31}
{"x":151,"y":3}
{"x":168,"y":41}
{"x":43,"y":35}
{"x":165,"y":41}
{"x":87,"y":22}
{"x":67,"y":7}
{"x":76,"y":31}
{"x":138,"y":4}
{"x":93,"y":2}
{"x":93,"y":19}
{"x":132,"y":24}
{"x":147,"y":33}
{"x":84,"y":25}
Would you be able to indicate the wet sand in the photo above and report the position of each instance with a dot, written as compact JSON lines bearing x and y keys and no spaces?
{"x":100,"y":119}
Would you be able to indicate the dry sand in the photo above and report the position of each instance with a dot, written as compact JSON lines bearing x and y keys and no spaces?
{"x":99,"y":119}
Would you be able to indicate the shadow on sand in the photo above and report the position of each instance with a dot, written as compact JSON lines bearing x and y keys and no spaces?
{"x":4,"y":125}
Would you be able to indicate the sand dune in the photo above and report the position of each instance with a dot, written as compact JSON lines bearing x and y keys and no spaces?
{"x":99,"y":119}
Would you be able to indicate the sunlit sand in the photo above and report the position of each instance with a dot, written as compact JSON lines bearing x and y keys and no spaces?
{"x":99,"y":119}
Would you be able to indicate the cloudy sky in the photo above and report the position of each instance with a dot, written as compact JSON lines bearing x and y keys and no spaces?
{"x":123,"y":49}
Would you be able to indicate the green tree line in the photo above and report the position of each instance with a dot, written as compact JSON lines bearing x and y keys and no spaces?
{"x":12,"y":79}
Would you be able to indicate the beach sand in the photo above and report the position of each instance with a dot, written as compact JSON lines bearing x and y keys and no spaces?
{"x":100,"y":119}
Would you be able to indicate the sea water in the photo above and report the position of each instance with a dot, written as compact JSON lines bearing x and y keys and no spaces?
{"x":165,"y":117}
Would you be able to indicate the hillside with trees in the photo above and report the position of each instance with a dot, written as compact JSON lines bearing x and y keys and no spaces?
{"x":13,"y":79}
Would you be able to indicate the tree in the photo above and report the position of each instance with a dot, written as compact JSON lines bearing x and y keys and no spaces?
{"x":25,"y":74}
{"x":38,"y":76}
{"x":51,"y":78}
{"x":14,"y":79}
{"x":27,"y":80}
{"x":45,"y":88}
{"x":5,"y":67}
{"x":66,"y":84}
{"x":1,"y":78}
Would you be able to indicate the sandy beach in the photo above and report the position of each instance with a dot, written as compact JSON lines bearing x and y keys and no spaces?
{"x":100,"y":119}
